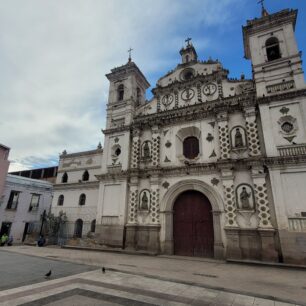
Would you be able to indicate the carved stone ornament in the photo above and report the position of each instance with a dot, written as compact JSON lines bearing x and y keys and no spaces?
{"x":214,"y":181}
{"x":116,"y":140}
{"x":245,"y":197}
{"x":168,"y":144}
{"x":187,"y":94}
{"x":167,"y":99}
{"x":165,"y":184}
{"x":212,"y":123}
{"x":209,"y":137}
{"x":213,"y":154}
{"x":167,"y":160}
{"x":209,"y":89}
{"x":284,"y":110}
{"x":146,"y":150}
{"x":287,"y":125}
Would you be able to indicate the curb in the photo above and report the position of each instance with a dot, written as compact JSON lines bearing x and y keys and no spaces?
{"x":120,"y":251}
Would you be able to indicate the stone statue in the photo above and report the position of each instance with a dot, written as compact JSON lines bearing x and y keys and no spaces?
{"x":238,"y":139}
{"x":145,"y":202}
{"x":244,"y":199}
{"x":146,"y":150}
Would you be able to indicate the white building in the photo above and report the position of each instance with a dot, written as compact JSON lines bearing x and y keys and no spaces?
{"x":24,"y":201}
{"x":210,"y":166}
{"x":76,"y":191}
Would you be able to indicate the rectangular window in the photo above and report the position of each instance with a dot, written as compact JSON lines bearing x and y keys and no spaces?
{"x":34,"y":202}
{"x":13,"y":200}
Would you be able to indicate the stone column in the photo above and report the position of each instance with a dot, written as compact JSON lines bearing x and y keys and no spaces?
{"x":231,"y":227}
{"x":218,"y":244}
{"x":266,"y":230}
{"x":135,"y":149}
{"x":154,"y":241}
{"x":252,"y":131}
{"x":224,"y":140}
{"x":155,"y":146}
{"x":131,"y":227}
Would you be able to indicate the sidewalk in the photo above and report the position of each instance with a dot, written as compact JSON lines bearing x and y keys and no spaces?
{"x":287,"y":285}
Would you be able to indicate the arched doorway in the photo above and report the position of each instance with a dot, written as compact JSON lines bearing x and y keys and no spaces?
{"x":78,"y":228}
{"x":193,"y":230}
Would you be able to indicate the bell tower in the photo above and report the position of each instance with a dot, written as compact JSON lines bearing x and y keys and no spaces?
{"x":188,"y":53}
{"x":269,"y":42}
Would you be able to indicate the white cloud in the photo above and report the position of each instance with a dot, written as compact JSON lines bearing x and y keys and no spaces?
{"x":54,"y":55}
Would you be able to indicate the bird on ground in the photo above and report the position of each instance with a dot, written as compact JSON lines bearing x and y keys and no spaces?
{"x":103,"y":270}
{"x":48,"y":274}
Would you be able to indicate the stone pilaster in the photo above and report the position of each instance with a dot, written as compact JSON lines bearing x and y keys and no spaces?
{"x":261,"y":196}
{"x":135,"y":149}
{"x":224,"y":140}
{"x":229,"y":197}
{"x":155,"y":146}
{"x":133,"y":201}
{"x":154,"y":207}
{"x":252,"y":131}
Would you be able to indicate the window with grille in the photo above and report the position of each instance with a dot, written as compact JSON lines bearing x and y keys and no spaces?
{"x":191,"y":147}
{"x":34,"y":202}
{"x":13,"y":200}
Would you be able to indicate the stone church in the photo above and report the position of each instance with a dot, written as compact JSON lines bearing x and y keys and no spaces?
{"x":210,"y":166}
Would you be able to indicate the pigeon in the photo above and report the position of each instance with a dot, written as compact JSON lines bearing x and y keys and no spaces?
{"x":103,"y":270}
{"x":48,"y":274}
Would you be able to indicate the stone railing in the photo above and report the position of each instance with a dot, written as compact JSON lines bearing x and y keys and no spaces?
{"x":292,"y":150}
{"x":297,"y":224}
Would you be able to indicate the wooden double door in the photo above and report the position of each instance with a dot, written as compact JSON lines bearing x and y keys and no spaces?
{"x":193,"y":231}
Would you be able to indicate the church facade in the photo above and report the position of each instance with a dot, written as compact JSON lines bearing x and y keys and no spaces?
{"x":210,"y":166}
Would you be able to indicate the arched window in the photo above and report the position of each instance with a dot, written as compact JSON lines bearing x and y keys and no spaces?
{"x":120,"y":92}
{"x":65,"y":178}
{"x":93,"y":226}
{"x":191,"y":147}
{"x":272,"y":48}
{"x":82,"y":199}
{"x":78,"y":228}
{"x":60,"y":201}
{"x":85,"y":176}
{"x":187,"y":58}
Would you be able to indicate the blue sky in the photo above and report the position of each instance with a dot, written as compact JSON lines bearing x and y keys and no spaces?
{"x":54,"y":56}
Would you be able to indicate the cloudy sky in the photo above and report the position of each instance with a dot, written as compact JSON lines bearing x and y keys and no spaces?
{"x":54,"y":55}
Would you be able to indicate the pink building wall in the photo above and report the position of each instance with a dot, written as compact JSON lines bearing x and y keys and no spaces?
{"x":4,"y":165}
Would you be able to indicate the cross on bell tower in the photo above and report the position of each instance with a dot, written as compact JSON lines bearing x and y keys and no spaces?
{"x":130,"y":54}
{"x":188,"y":52}
{"x":264,"y":12}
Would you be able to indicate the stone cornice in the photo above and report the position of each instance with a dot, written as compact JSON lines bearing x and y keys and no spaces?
{"x":204,"y":168}
{"x":197,"y":111}
{"x":282,"y":96}
{"x":68,"y":169}
{"x":123,"y":128}
{"x":79,"y":154}
{"x":76,"y":185}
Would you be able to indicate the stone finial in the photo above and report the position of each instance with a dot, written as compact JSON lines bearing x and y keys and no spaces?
{"x":64,"y":152}
{"x":99,"y":146}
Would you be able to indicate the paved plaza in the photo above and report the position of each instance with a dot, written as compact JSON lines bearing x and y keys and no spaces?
{"x":77,"y":279}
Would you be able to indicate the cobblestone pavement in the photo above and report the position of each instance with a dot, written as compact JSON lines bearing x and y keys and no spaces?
{"x":148,"y":280}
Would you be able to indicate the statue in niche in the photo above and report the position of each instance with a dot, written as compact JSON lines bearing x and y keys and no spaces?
{"x":244,"y":198}
{"x":238,"y":139}
{"x":144,"y":202}
{"x":146,"y":150}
